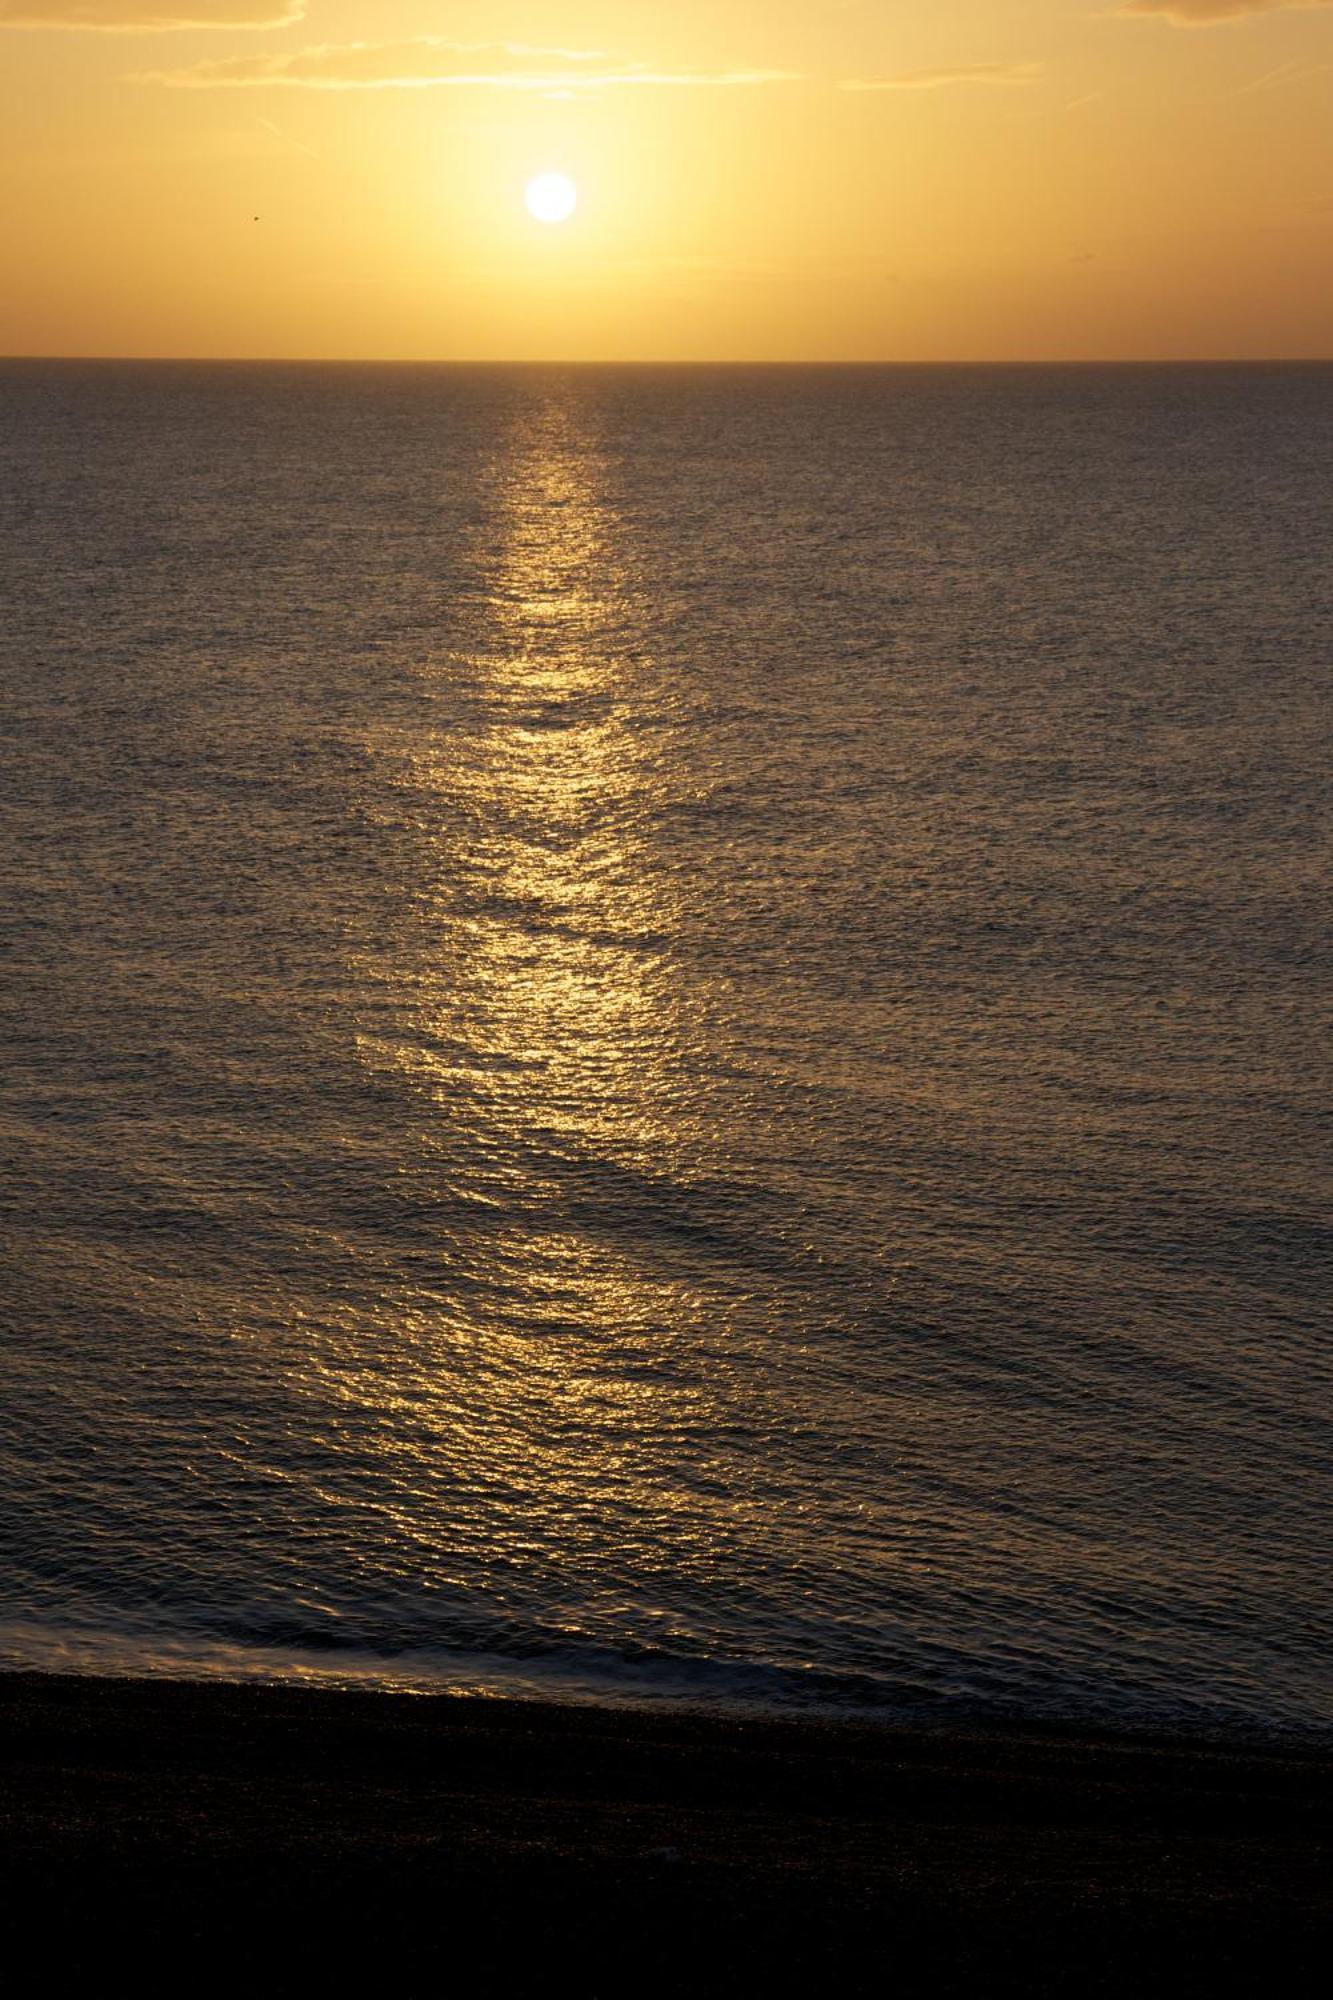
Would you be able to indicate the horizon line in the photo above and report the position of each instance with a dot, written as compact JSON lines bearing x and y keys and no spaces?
{"x":666,"y":361}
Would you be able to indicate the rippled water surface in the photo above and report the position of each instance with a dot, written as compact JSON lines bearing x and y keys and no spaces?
{"x":665,"y":1032}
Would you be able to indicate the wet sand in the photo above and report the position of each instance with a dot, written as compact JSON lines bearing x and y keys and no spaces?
{"x":296,"y":1839}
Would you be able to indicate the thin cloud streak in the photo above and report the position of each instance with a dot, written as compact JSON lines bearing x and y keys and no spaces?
{"x":298,"y":145}
{"x":1275,"y":79}
{"x":125,"y":17}
{"x":1209,"y":13}
{"x":427,"y":62}
{"x":945,"y":79}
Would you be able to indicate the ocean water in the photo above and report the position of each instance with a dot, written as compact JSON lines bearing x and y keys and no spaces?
{"x":665,"y":1033}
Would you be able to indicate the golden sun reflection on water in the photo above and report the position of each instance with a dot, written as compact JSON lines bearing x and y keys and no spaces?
{"x":562,"y":955}
{"x":573,"y":1349}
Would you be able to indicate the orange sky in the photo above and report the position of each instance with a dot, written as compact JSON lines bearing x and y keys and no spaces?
{"x":759,"y":179}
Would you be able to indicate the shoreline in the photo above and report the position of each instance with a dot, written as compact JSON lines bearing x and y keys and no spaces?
{"x":948,"y":1716}
{"x":309,"y":1833}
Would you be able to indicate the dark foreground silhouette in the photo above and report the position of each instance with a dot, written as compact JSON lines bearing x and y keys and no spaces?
{"x":297,"y":1840}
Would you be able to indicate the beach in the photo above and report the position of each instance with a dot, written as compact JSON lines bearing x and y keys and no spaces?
{"x":292,"y":1837}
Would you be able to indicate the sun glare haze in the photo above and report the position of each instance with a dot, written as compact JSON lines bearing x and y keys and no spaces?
{"x":995,"y":179}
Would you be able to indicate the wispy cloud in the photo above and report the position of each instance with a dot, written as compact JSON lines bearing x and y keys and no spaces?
{"x":427,"y":62}
{"x":131,"y":16}
{"x":297,"y":145}
{"x":1276,"y":79}
{"x":944,"y":79}
{"x":1207,"y":13}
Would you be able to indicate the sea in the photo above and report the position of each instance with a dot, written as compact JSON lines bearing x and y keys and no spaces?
{"x":664,"y":1035}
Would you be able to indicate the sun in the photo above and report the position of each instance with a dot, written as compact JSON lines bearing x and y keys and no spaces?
{"x":551,"y":197}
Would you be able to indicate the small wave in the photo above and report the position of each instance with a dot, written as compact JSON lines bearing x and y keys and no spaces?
{"x":542,"y":1668}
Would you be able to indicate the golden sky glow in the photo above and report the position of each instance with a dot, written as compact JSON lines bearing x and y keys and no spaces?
{"x":757,"y":179}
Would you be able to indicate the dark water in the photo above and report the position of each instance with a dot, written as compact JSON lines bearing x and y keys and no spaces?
{"x":665,"y":1032}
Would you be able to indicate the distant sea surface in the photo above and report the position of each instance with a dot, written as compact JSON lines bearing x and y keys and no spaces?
{"x":665,"y":1034}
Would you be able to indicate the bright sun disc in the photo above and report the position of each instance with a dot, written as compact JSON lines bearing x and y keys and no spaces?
{"x":552,"y":197}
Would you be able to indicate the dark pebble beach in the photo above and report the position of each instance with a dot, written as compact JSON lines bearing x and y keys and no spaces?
{"x":295,"y":1839}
